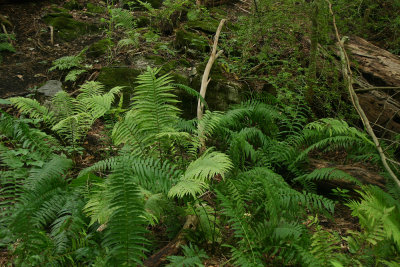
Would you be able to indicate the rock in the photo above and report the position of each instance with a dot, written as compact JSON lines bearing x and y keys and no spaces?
{"x":191,"y":40}
{"x":99,"y":48}
{"x":66,"y":27}
{"x":50,"y":88}
{"x":207,"y":26}
{"x":221,"y":92}
{"x":118,"y":76}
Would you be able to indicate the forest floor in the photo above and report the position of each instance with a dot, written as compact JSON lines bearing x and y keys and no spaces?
{"x":28,"y":68}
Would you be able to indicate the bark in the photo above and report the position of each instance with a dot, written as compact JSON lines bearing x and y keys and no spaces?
{"x":357,"y":170}
{"x":380,"y":65}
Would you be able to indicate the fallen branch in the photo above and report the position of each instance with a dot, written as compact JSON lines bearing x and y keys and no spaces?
{"x":347,"y":75}
{"x":377,"y":88}
{"x":172,"y":247}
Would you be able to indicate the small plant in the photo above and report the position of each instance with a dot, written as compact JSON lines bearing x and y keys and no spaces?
{"x":5,"y":45}
{"x":71,"y":63}
{"x":193,"y":257}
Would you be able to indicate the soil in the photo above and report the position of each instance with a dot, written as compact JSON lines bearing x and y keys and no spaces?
{"x":28,"y":67}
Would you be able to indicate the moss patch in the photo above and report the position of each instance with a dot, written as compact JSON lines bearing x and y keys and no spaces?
{"x":99,"y":48}
{"x":207,"y":26}
{"x":66,"y":27}
{"x":121,"y":76}
{"x":95,"y":8}
{"x":191,"y":40}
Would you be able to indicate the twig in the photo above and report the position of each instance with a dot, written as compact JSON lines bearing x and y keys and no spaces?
{"x":6,"y":33}
{"x":376,"y":88}
{"x":205,"y":80}
{"x":51,"y":35}
{"x":347,"y":75}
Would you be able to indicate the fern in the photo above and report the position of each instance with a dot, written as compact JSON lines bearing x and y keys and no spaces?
{"x":193,"y":256}
{"x":126,"y":226}
{"x":327,"y":174}
{"x":378,"y":208}
{"x":150,"y":124}
{"x":66,"y":63}
{"x":71,"y":118}
{"x":199,"y":173}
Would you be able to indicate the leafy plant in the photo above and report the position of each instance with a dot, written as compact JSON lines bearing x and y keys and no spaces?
{"x":70,"y":117}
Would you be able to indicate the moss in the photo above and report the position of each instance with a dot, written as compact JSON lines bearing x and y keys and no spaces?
{"x":221,"y":92}
{"x":191,"y":40}
{"x":66,"y":27}
{"x":137,"y":6}
{"x":73,"y":4}
{"x":95,"y":8}
{"x":99,"y":48}
{"x":121,"y":76}
{"x":157,"y":60}
{"x":207,"y":26}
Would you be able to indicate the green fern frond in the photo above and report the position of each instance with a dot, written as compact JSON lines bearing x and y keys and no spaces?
{"x":33,"y":108}
{"x":200,"y":172}
{"x":378,"y":207}
{"x":126,"y":227}
{"x":193,"y":257}
{"x":327,"y":174}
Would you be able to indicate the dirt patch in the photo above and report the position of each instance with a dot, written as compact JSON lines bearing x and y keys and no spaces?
{"x":28,"y":66}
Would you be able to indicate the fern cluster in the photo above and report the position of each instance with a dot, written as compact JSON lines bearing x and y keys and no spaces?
{"x":71,"y":118}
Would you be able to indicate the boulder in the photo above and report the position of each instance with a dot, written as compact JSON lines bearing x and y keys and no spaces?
{"x":99,"y":48}
{"x":66,"y":28}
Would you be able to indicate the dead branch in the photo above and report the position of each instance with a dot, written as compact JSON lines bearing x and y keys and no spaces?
{"x":172,"y":247}
{"x":347,"y":75}
{"x":205,"y":80}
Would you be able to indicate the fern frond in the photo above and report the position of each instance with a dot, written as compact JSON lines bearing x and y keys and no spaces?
{"x":328,"y":174}
{"x":124,"y":234}
{"x":33,"y":108}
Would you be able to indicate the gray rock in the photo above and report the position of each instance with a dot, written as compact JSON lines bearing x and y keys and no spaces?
{"x":50,"y":88}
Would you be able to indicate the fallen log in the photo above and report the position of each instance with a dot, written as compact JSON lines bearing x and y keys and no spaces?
{"x":382,"y":67}
{"x":357,"y":170}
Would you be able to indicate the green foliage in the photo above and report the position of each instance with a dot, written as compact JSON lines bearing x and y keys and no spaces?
{"x":71,"y":118}
{"x":5,"y":45}
{"x":199,"y":173}
{"x":271,"y":224}
{"x":150,"y":125}
{"x":193,"y":257}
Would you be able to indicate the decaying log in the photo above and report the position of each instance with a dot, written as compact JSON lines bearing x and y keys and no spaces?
{"x":172,"y":247}
{"x":348,"y":77}
{"x":357,"y":170}
{"x":378,"y":63}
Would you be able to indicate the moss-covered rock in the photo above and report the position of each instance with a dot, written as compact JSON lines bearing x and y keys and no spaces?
{"x":119,"y":76}
{"x":191,"y":40}
{"x":207,"y":26}
{"x":95,"y":8}
{"x":66,"y":28}
{"x":221,"y":91}
{"x":99,"y":48}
